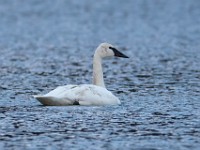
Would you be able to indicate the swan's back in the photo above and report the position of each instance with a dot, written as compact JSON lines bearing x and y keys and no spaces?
{"x":79,"y":94}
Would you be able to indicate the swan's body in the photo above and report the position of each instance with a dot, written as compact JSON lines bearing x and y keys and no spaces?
{"x":85,"y":94}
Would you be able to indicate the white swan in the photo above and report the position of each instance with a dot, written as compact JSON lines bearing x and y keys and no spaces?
{"x":85,"y":94}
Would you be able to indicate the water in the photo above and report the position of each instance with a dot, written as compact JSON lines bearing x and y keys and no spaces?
{"x":44,"y":44}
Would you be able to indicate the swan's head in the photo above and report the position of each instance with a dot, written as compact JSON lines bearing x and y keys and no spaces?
{"x":106,"y":50}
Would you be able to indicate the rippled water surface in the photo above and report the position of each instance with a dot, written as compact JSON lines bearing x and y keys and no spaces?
{"x":44,"y":44}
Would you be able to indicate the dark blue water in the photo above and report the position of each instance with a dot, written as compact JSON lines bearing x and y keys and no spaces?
{"x":44,"y":44}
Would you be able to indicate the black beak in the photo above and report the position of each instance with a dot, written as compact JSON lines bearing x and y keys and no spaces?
{"x":118,"y":53}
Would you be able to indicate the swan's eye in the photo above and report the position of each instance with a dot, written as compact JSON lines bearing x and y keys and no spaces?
{"x":111,"y":48}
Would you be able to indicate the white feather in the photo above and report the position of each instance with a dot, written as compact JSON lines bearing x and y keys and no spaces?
{"x":83,"y":94}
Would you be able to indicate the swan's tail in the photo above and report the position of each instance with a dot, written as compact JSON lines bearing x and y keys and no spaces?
{"x":52,"y":101}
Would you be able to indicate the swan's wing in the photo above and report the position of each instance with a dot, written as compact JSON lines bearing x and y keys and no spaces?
{"x":61,"y":91}
{"x":58,"y":97}
{"x":94,"y":95}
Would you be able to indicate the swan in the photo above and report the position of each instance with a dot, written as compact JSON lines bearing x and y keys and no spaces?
{"x":85,"y":94}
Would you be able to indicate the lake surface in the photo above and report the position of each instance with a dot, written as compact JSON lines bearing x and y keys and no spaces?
{"x":44,"y":44}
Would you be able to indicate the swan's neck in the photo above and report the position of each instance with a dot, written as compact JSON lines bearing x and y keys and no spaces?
{"x":97,"y":71}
